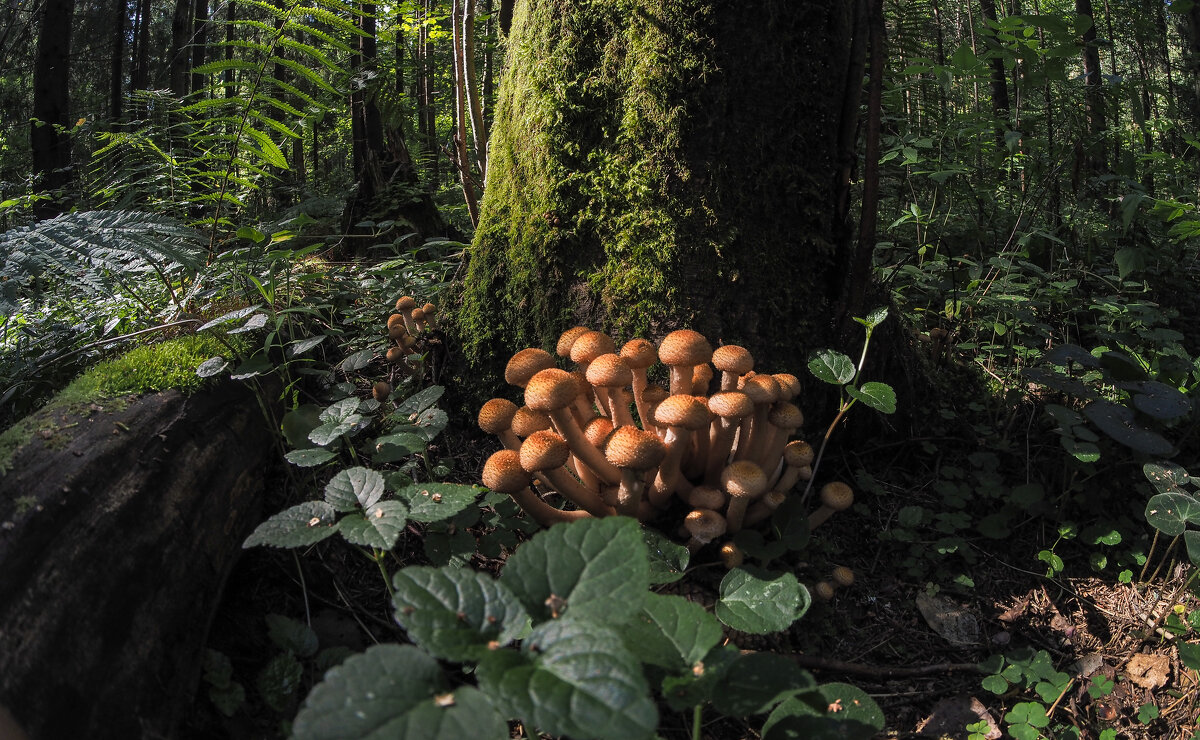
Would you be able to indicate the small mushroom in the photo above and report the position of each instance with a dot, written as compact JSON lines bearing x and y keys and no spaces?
{"x":545,"y":454}
{"x":763,"y":508}
{"x":732,"y":555}
{"x":797,"y":456}
{"x":381,"y":390}
{"x":835,"y":496}
{"x":526,"y":421}
{"x":763,"y":391}
{"x":525,"y":364}
{"x":608,"y":374}
{"x":843,"y":576}
{"x":639,"y":354}
{"x":730,"y":407}
{"x":783,"y":421}
{"x":633,"y":452}
{"x":703,"y":526}
{"x":404,"y":306}
{"x":744,"y":481}
{"x":567,"y":338}
{"x":552,"y":391}
{"x":503,"y":473}
{"x":733,"y":362}
{"x":682,"y":351}
{"x":496,"y":417}
{"x":680,"y":416}
{"x":707,"y":497}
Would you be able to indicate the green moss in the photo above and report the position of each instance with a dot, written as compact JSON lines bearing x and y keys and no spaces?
{"x":156,"y":367}
{"x":656,"y":164}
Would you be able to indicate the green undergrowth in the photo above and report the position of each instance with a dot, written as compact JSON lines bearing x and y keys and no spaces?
{"x":156,"y":367}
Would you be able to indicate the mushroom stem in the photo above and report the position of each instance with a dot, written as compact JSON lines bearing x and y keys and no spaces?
{"x":542,"y":512}
{"x":561,"y":480}
{"x":629,"y":495}
{"x":582,"y":449}
{"x":763,"y":508}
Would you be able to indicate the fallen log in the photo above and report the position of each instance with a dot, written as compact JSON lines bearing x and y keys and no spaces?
{"x":119,"y":522}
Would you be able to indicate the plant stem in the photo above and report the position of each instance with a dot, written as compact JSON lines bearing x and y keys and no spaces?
{"x":1146,"y":566}
{"x":825,"y":443}
{"x":697,"y":714}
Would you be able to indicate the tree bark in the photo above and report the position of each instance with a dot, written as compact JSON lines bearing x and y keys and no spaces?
{"x":200,"y":42}
{"x":141,"y":66}
{"x":1093,"y":148}
{"x":119,"y":528}
{"x":116,"y":88}
{"x":49,"y":140}
{"x":181,"y":32}
{"x":639,"y":195}
{"x":1000,"y":102}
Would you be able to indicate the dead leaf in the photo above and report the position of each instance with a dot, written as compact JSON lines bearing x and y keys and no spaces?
{"x":1148,"y":670}
{"x":949,"y":620}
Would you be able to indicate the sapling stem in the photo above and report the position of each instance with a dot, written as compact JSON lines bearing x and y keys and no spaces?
{"x":1146,"y":565}
{"x":303,"y":589}
{"x":1166,"y":555}
{"x":378,"y":556}
{"x":697,"y":715}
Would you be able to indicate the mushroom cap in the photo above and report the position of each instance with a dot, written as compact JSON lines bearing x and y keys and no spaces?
{"x":582,"y":387}
{"x":702,"y":375}
{"x":823,"y":590}
{"x":837,"y":495}
{"x":730,"y":404}
{"x":417,"y":314}
{"x":704,"y":525}
{"x":843,"y":576}
{"x":525,"y":364}
{"x":639,"y":353}
{"x":786,"y":415}
{"x":732,"y":555}
{"x":544,"y":450}
{"x":550,"y":389}
{"x":380,"y":390}
{"x":684,"y":347}
{"x":597,"y":431}
{"x":655,"y":394}
{"x":406,"y":303}
{"x":395,"y":320}
{"x":744,"y":479}
{"x":496,"y":415}
{"x":590,"y":345}
{"x":395,"y":355}
{"x":789,"y":386}
{"x":707,"y":497}
{"x":396,"y":332}
{"x":689,"y":412}
{"x":730,"y":358}
{"x":526,"y":421}
{"x":798,"y":453}
{"x":630,"y":447}
{"x":430,"y":310}
{"x":503,"y":472}
{"x":609,"y":371}
{"x":567,"y":338}
{"x":761,"y":389}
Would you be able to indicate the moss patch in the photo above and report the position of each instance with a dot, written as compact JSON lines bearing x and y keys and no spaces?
{"x":656,"y":164}
{"x":157,"y":367}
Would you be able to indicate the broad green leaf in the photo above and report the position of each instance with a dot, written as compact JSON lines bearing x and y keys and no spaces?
{"x":300,"y":346}
{"x":395,"y":692}
{"x":257,"y":365}
{"x":301,"y":525}
{"x":452,"y":549}
{"x":343,"y":410}
{"x":1189,"y":655}
{"x":1159,"y":400}
{"x":431,"y":422}
{"x":1191,"y":539}
{"x":761,"y":602}
{"x":877,"y":317}
{"x":1121,"y":366}
{"x":1084,"y":452}
{"x":573,"y":678}
{"x":212,"y":366}
{"x":755,"y":682}
{"x":357,"y":360}
{"x":379,"y":526}
{"x":279,"y":680}
{"x":393,"y":447}
{"x":668,"y":560}
{"x":878,"y":396}
{"x":595,"y":568}
{"x":834,"y":710}
{"x":310,"y":458}
{"x":964,"y":59}
{"x":1064,"y":354}
{"x":419,"y":401}
{"x":354,"y":488}
{"x":1166,"y":477}
{"x":291,"y":634}
{"x":831,"y":366}
{"x":231,"y":316}
{"x":298,"y":422}
{"x":1028,"y":712}
{"x":257,"y":321}
{"x":671,"y":632}
{"x":1118,"y":422}
{"x":434,"y":502}
{"x":696,"y":686}
{"x":1170,"y":513}
{"x":456,"y":613}
{"x":330,"y":431}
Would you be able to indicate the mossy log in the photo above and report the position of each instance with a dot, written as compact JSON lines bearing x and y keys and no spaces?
{"x":657,"y":164}
{"x":119,"y":522}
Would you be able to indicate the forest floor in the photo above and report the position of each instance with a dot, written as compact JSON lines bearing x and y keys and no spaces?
{"x":1090,"y":651}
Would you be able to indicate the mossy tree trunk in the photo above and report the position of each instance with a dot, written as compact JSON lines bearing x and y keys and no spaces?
{"x":658,"y":164}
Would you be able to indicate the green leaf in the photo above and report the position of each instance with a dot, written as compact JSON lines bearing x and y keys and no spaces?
{"x":434,"y":502}
{"x":395,"y":692}
{"x":1191,"y":539}
{"x":431,"y":422}
{"x":834,"y":710}
{"x":671,"y":632}
{"x":330,"y":431}
{"x":668,"y":560}
{"x":877,"y":317}
{"x":257,"y":365}
{"x":1147,"y":713}
{"x":1189,"y":655}
{"x":964,"y":59}
{"x":393,"y":447}
{"x":696,"y":686}
{"x":1170,"y":513}
{"x":298,"y":422}
{"x":379,"y":526}
{"x":357,"y":360}
{"x":299,"y":526}
{"x":1118,"y":422}
{"x":354,"y":488}
{"x":300,"y":346}
{"x":212,"y":366}
{"x":596,"y":568}
{"x":831,"y":367}
{"x":255,"y":322}
{"x":761,"y":602}
{"x":310,"y":458}
{"x":755,"y":682}
{"x":293,"y":635}
{"x":572,"y":677}
{"x":230,"y":317}
{"x":1029,"y":713}
{"x":878,"y":396}
{"x":1159,"y":400}
{"x":455,"y":613}
{"x":343,"y":410}
{"x":995,"y":683}
{"x":419,"y":401}
{"x":445,"y":548}
{"x":1166,"y":477}
{"x":279,"y":680}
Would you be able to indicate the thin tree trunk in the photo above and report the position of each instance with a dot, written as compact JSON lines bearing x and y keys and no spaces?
{"x":489,"y":29}
{"x":181,"y":32}
{"x":471,"y":88}
{"x":49,"y":142}
{"x":230,"y":17}
{"x":141,"y":74}
{"x":462,"y":159}
{"x":1000,"y":102}
{"x":1093,"y":93}
{"x":116,"y":94}
{"x":200,"y":41}
{"x":848,"y":125}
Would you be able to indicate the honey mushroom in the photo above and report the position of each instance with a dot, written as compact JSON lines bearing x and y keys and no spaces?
{"x":503,"y":474}
{"x":633,"y":452}
{"x":544,"y":454}
{"x":552,"y":391}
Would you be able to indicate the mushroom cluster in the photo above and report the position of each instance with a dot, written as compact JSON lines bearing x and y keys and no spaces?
{"x":405,"y":324}
{"x":610,"y":442}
